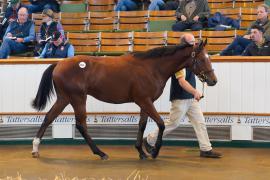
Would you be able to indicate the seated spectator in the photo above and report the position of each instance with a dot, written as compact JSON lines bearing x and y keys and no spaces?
{"x":57,"y":48}
{"x":40,"y":5}
{"x":11,"y":14}
{"x":128,"y":5}
{"x":48,"y":26}
{"x":191,"y":14}
{"x":18,"y":35}
{"x":260,"y":45}
{"x":157,"y":5}
{"x":240,"y":43}
{"x":221,"y":22}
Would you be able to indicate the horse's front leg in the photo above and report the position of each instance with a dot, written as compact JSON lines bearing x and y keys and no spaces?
{"x":142,"y":125}
{"x":148,"y":107}
{"x":81,"y":126}
{"x":79,"y":106}
{"x":57,"y":108}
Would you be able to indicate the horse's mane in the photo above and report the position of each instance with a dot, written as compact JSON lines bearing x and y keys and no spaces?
{"x":160,"y":51}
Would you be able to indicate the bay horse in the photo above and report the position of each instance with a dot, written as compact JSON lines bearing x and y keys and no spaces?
{"x":136,"y":77}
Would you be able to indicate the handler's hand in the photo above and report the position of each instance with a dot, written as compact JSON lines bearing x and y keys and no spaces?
{"x":197,"y":95}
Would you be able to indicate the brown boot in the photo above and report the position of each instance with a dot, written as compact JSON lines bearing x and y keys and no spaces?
{"x":210,"y":154}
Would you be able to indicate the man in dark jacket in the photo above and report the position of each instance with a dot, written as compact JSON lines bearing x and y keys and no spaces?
{"x":18,"y":35}
{"x":260,"y":45}
{"x":240,"y":43}
{"x":191,"y":14}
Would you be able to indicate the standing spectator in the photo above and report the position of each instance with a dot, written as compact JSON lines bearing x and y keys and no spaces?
{"x":128,"y":5}
{"x":40,"y":5}
{"x":240,"y":43}
{"x":157,"y":5}
{"x":11,"y":14}
{"x":185,"y":102}
{"x":191,"y":14}
{"x":57,"y":48}
{"x":260,"y":45}
{"x":18,"y":35}
{"x":48,"y":26}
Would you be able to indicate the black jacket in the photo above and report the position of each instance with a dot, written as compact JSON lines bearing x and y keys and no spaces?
{"x":253,"y":50}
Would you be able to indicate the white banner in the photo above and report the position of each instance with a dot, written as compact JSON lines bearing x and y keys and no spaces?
{"x":134,"y":119}
{"x":255,"y":120}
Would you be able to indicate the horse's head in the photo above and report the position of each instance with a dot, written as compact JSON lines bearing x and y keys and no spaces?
{"x":201,"y":64}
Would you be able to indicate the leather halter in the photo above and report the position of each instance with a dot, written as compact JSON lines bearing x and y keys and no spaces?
{"x":202,"y":75}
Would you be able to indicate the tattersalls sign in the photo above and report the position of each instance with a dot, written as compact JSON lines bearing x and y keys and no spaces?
{"x":134,"y":119}
{"x":255,"y":120}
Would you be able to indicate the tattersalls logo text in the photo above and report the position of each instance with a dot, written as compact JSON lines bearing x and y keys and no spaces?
{"x":256,"y":120}
{"x":220,"y":120}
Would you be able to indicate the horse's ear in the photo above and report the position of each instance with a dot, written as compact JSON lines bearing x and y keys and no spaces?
{"x":205,"y":42}
{"x":200,"y":45}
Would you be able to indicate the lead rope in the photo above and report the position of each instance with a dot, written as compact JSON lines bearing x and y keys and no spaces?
{"x":202,"y":90}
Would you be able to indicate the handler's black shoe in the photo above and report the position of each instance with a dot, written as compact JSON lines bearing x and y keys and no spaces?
{"x":147,"y":146}
{"x":210,"y":154}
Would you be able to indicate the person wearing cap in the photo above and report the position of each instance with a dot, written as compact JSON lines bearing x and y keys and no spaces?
{"x":48,"y":26}
{"x":18,"y":36}
{"x":58,"y":47}
{"x":40,"y":5}
{"x":11,"y":14}
{"x":185,"y":102}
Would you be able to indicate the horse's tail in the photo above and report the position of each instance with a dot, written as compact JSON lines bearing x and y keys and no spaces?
{"x":45,"y":89}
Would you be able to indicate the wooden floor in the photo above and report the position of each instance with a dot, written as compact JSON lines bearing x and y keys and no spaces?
{"x":76,"y":162}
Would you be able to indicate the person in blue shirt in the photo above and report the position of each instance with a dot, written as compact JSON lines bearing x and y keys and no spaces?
{"x":58,"y":47}
{"x":11,"y":15}
{"x":18,"y":35}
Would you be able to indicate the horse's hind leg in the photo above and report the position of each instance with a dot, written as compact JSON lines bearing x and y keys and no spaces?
{"x":57,"y":108}
{"x":79,"y":106}
{"x":148,"y":107}
{"x":142,"y":125}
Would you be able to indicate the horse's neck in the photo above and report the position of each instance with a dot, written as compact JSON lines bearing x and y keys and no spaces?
{"x":169,"y":65}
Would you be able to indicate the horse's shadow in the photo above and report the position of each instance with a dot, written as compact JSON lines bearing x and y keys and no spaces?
{"x":112,"y":160}
{"x":116,"y":162}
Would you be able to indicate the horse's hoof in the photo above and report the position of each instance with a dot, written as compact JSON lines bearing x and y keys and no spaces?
{"x":155,"y":154}
{"x":143,"y":156}
{"x":105,"y":157}
{"x":35,"y":155}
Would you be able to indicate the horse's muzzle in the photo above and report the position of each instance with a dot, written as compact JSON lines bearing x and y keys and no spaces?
{"x":211,"y":83}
